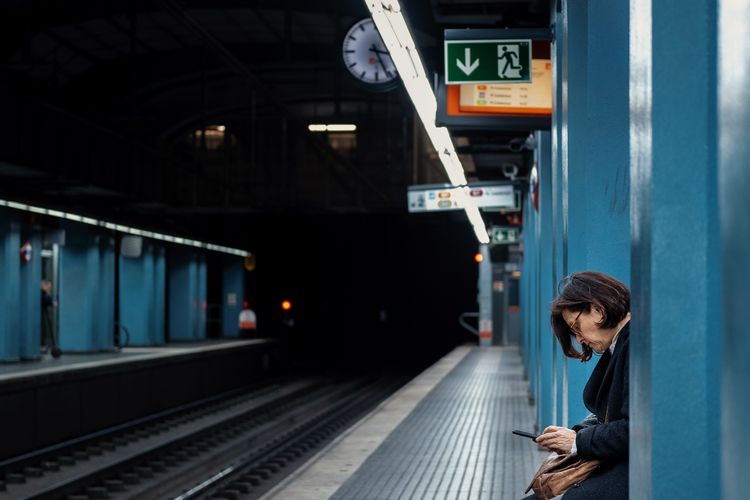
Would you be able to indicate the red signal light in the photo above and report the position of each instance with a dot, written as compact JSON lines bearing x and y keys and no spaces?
{"x":286,"y":305}
{"x":478,"y":257}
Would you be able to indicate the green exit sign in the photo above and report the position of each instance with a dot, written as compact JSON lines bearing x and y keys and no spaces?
{"x":487,"y":61}
{"x":504,"y":235}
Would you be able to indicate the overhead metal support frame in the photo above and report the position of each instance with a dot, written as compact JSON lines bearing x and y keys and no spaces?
{"x":231,"y":61}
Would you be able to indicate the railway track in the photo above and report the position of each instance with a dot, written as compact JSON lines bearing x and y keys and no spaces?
{"x":232,"y":447}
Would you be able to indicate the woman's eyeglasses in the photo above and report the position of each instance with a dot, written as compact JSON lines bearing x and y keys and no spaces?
{"x":575,"y":327}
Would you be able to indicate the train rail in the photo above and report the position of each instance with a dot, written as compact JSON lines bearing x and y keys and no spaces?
{"x":236,"y":447}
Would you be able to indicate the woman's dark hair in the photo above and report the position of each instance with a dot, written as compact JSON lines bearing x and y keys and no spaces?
{"x":578,"y":293}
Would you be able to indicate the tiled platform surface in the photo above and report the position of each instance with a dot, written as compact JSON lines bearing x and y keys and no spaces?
{"x":78,"y":361}
{"x":444,"y":436}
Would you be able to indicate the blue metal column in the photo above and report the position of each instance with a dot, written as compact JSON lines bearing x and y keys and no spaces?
{"x":158,"y":299}
{"x":78,"y":290}
{"x":676,"y":321}
{"x":104,"y":319}
{"x":232,"y":296}
{"x":595,"y":152}
{"x":30,"y":309}
{"x":187,"y":295}
{"x":142,"y":296}
{"x":202,"y":297}
{"x":543,"y":159}
{"x":530,"y":339}
{"x":531,"y":247}
{"x":10,"y":243}
{"x":559,"y":203}
{"x":734,"y":186}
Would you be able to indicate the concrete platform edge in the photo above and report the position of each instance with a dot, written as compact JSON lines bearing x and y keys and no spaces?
{"x":326,"y":471}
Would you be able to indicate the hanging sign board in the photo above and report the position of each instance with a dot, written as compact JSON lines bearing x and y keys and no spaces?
{"x":439,"y":198}
{"x":487,"y":61}
{"x":504,"y":235}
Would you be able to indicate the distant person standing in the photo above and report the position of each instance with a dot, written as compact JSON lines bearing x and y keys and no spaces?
{"x":49,"y":341}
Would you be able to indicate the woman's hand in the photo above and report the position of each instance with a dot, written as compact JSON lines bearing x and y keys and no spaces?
{"x":557,"y":439}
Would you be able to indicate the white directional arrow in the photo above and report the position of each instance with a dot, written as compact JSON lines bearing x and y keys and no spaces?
{"x":467,"y":66}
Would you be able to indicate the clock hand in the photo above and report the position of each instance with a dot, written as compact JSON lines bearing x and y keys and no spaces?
{"x":377,"y":51}
{"x":380,"y":59}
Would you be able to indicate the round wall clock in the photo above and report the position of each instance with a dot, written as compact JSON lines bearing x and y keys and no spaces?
{"x":366,"y":57}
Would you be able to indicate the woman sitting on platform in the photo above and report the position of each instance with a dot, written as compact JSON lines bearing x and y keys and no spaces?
{"x":594,"y":309}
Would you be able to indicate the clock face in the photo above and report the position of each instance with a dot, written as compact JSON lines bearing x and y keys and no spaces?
{"x":365,"y":55}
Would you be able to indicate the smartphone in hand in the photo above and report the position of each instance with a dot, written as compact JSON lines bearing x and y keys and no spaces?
{"x":525,"y":434}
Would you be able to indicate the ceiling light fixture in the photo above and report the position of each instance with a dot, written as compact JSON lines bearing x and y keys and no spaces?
{"x":400,"y":44}
{"x":332,"y":127}
{"x":122,"y":229}
{"x":341,"y":127}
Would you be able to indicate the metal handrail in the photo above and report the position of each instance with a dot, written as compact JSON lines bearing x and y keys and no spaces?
{"x":463,"y":323}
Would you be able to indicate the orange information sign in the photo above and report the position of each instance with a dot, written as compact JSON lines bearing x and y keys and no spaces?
{"x":504,"y":99}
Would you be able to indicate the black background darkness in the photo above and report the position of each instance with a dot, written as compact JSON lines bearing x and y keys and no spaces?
{"x":341,"y":271}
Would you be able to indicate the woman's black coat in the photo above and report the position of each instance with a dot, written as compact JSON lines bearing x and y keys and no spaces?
{"x":606,"y":437}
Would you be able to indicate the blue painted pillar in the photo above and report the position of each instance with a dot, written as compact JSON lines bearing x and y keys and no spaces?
{"x":530,"y":278}
{"x":734,"y":186}
{"x":543,"y":159}
{"x":158,"y":303}
{"x":594,"y":153}
{"x":233,"y":276}
{"x":30,"y":307}
{"x":559,"y":207}
{"x":104,"y":320}
{"x":86,"y":291}
{"x":187,"y":295}
{"x":10,"y":243}
{"x":676,"y":322}
{"x":142,"y":292}
{"x":201,"y":300}
{"x":74,"y":304}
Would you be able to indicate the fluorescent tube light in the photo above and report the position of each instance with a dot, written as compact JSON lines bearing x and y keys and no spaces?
{"x":398,"y":40}
{"x":332,"y":127}
{"x":121,"y":228}
{"x":341,"y":127}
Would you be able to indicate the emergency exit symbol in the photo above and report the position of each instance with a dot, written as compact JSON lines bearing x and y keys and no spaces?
{"x":467,"y":66}
{"x":487,"y":61}
{"x":507,"y":56}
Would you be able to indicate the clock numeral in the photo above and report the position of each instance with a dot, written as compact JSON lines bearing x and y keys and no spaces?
{"x":377,"y":76}
{"x":352,"y":65}
{"x":353,"y":37}
{"x":363,"y":74}
{"x":349,"y":51}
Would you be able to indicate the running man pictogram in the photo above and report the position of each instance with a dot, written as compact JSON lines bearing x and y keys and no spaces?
{"x":507,"y":55}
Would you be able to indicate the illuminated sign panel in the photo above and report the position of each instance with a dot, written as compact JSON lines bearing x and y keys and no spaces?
{"x":487,"y":61}
{"x":438,"y":198}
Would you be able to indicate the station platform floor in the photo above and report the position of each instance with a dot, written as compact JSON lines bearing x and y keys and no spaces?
{"x":444,"y":435}
{"x":11,"y":371}
{"x":55,"y":400}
